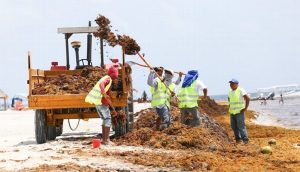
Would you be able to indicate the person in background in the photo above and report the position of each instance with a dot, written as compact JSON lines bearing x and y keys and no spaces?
{"x":238,"y":104}
{"x":262,"y":99}
{"x":281,"y":99}
{"x":99,"y":96}
{"x":161,"y":96}
{"x":188,"y":96}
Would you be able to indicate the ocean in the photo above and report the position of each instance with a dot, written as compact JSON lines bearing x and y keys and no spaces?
{"x":285,"y":115}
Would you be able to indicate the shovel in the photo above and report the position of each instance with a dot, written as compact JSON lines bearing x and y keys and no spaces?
{"x":148,"y":65}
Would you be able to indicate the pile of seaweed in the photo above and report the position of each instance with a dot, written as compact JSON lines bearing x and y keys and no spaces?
{"x":128,"y":44}
{"x":69,"y":84}
{"x":209,"y":135}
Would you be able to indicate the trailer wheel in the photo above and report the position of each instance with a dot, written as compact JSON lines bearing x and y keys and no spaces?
{"x":51,"y":133}
{"x":40,"y":126}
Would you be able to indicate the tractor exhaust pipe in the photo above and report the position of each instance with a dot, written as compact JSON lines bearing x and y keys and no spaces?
{"x":89,"y":47}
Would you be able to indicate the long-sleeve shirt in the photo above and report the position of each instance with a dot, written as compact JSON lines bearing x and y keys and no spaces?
{"x":177,"y":82}
{"x":152,"y":82}
{"x":102,"y":86}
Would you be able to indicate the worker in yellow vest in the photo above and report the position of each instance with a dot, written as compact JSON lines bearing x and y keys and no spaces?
{"x":188,"y":96}
{"x":238,"y":104}
{"x":99,"y":96}
{"x":152,"y":76}
{"x":168,"y":79}
{"x":161,"y":97}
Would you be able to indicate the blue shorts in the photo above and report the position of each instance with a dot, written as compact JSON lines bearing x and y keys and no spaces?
{"x":104,"y":114}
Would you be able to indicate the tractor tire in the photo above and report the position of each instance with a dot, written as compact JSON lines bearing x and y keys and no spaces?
{"x":40,"y":126}
{"x":130,"y":114}
{"x":120,"y":129}
{"x":130,"y":104}
{"x":59,"y":130}
{"x":51,"y":133}
{"x":127,"y":119}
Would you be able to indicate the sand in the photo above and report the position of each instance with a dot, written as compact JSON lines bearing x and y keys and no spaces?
{"x":73,"y":151}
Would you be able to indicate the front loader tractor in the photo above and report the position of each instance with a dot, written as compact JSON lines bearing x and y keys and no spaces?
{"x":52,"y":109}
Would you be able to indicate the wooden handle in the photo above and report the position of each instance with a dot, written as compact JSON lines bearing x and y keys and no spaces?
{"x":149,"y":67}
{"x":155,"y":73}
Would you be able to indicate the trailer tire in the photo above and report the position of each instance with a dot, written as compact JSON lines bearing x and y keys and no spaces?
{"x":40,"y":126}
{"x":51,"y":133}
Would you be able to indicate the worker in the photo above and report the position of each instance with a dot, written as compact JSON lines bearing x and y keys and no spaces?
{"x":159,"y":71}
{"x":99,"y":96}
{"x":281,"y":99}
{"x":188,"y":96}
{"x":161,"y":96}
{"x":168,"y":77}
{"x":238,"y":104}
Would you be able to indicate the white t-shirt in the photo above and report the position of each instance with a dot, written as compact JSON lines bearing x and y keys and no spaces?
{"x":199,"y":87}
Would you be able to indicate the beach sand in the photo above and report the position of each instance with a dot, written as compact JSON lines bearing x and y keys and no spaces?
{"x":76,"y":153}
{"x":285,"y":155}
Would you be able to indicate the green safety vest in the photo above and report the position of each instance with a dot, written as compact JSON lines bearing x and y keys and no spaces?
{"x":188,"y":96}
{"x":95,"y":96}
{"x":235,"y":103}
{"x":161,"y":95}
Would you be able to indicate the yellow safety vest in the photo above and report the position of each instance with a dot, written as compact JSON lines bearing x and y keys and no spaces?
{"x":95,"y":96}
{"x":188,"y":96}
{"x":161,"y":95}
{"x":236,"y":104}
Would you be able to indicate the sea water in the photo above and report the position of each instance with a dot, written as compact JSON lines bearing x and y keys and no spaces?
{"x":273,"y":113}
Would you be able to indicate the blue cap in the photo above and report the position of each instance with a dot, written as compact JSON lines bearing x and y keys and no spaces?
{"x":234,"y":81}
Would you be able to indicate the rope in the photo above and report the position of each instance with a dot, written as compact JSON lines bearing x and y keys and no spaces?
{"x":73,"y":129}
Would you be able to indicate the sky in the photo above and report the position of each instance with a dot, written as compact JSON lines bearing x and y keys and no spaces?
{"x":255,"y":41}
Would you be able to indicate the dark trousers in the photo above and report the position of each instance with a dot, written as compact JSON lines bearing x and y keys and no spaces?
{"x":237,"y":122}
{"x":190,"y":116}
